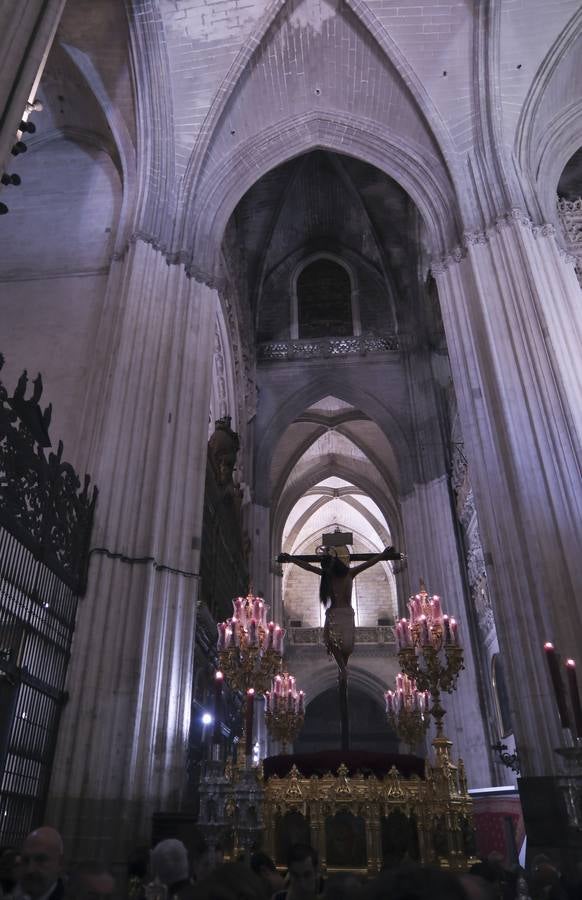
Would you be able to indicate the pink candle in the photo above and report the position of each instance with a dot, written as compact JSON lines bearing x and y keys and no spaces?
{"x":406,"y":639}
{"x":277,"y":639}
{"x":221,"y":636}
{"x":249,"y":722}
{"x":574,"y":696}
{"x":398,"y":632}
{"x":301,"y":703}
{"x":424,"y":639}
{"x":218,"y":682}
{"x":447,"y":628}
{"x":267,"y":701}
{"x":436,"y":608}
{"x":454,"y":631}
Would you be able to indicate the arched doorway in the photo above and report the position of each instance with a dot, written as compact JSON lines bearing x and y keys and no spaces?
{"x":368,"y":726}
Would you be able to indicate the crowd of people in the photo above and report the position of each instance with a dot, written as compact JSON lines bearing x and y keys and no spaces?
{"x":37,"y":871}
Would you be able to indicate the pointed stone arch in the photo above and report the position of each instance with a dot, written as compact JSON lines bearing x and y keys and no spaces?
{"x":542,"y":160}
{"x":288,"y":499}
{"x":360,"y":678}
{"x":316,"y":389}
{"x":156,"y":158}
{"x":379,"y":35}
{"x":124,"y":146}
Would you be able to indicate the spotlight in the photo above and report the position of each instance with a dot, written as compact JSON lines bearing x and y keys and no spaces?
{"x":35,"y":106}
{"x":3,"y":209}
{"x":206,"y":718}
{"x":18,"y":148}
{"x":10,"y":179}
{"x":29,"y":127}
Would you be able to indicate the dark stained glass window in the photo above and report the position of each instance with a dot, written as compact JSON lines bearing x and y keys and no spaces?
{"x":324,"y":300}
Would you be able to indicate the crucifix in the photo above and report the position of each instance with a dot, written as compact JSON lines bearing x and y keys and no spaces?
{"x":335,"y":588}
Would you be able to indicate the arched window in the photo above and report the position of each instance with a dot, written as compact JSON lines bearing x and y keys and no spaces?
{"x":324,"y":296}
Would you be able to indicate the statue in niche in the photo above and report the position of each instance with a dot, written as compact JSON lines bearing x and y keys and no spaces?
{"x":223,"y":447}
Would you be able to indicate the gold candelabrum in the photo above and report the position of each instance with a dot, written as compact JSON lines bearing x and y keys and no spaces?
{"x":407,"y":710}
{"x":284,"y":709}
{"x":429,"y":652}
{"x":250,"y":649}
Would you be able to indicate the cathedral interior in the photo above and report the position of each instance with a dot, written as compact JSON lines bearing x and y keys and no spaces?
{"x":287,"y":268}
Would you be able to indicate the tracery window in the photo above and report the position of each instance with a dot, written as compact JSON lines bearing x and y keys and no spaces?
{"x":325,"y":301}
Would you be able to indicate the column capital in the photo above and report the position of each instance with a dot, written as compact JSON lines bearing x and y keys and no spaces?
{"x":511,"y":217}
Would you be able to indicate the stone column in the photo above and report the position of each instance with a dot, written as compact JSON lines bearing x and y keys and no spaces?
{"x":513,"y":319}
{"x":27,"y":30}
{"x":261,"y":562}
{"x":122,"y":744}
{"x":433,"y":555}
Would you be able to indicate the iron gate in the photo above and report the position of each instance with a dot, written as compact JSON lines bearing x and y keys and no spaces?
{"x":45,"y":524}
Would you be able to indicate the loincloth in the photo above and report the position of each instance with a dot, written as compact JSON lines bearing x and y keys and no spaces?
{"x":339,"y":631}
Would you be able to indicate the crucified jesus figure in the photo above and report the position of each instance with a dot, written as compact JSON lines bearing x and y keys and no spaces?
{"x":337,"y":577}
{"x":335,"y":588}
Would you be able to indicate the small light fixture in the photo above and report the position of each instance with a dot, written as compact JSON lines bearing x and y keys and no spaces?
{"x":27,"y":127}
{"x":10,"y":179}
{"x":18,"y":148}
{"x":206,"y":718}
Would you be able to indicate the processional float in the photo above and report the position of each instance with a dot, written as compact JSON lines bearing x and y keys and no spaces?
{"x":252,"y":800}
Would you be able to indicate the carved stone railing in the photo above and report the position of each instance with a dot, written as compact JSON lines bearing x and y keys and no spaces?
{"x":570,"y":215}
{"x":570,"y":212}
{"x":325,"y":348}
{"x":42,"y":502}
{"x":378,"y":634}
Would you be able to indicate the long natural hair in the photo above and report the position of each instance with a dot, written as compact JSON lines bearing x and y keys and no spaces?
{"x":330,"y":565}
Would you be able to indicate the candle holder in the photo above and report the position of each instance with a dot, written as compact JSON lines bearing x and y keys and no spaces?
{"x":429,"y":652}
{"x":284,"y":710}
{"x":407,"y":710}
{"x":250,"y":649}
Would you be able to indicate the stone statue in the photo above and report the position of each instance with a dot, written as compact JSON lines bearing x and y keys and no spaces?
{"x":223,"y":447}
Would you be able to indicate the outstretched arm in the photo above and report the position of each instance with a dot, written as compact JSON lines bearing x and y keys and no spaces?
{"x":286,"y":558}
{"x":388,"y":553}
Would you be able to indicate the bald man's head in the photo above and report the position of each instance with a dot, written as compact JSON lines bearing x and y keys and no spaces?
{"x":41,"y":861}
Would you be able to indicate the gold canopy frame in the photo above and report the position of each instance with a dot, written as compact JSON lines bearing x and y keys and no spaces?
{"x":438,"y":807}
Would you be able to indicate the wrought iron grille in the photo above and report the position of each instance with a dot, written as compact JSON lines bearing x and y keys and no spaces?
{"x":45,"y":523}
